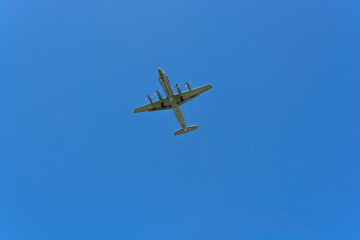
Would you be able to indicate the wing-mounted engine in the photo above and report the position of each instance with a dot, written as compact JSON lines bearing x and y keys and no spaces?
{"x":151,"y":101}
{"x":188,"y":86}
{"x":160,"y":97}
{"x":179,"y":92}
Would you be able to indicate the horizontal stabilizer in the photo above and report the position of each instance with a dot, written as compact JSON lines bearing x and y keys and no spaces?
{"x":187,"y":129}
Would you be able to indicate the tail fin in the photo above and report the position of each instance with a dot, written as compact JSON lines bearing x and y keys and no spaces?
{"x":187,"y":129}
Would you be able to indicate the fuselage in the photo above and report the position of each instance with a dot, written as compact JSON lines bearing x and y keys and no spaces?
{"x":165,"y":83}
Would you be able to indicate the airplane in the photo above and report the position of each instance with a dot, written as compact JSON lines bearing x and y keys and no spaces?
{"x":173,"y":101}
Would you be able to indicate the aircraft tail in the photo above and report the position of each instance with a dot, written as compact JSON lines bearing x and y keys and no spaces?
{"x":187,"y":129}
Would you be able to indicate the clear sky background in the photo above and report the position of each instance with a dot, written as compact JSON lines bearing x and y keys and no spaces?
{"x":276,"y":155}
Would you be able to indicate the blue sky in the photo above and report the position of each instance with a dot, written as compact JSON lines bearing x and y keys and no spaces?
{"x":276,"y":155}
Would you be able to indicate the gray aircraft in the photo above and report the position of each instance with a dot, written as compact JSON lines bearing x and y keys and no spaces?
{"x":173,"y":101}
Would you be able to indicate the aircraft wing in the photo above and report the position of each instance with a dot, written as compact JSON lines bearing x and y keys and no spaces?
{"x":179,"y":98}
{"x":155,"y":106}
{"x":191,"y":94}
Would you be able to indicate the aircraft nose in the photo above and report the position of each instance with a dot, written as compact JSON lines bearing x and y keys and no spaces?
{"x":159,"y":71}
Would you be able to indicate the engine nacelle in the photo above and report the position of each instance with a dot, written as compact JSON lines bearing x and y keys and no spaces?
{"x":178,"y":89}
{"x":159,"y":95}
{"x":179,"y":92}
{"x":148,"y":96}
{"x":188,"y":85}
